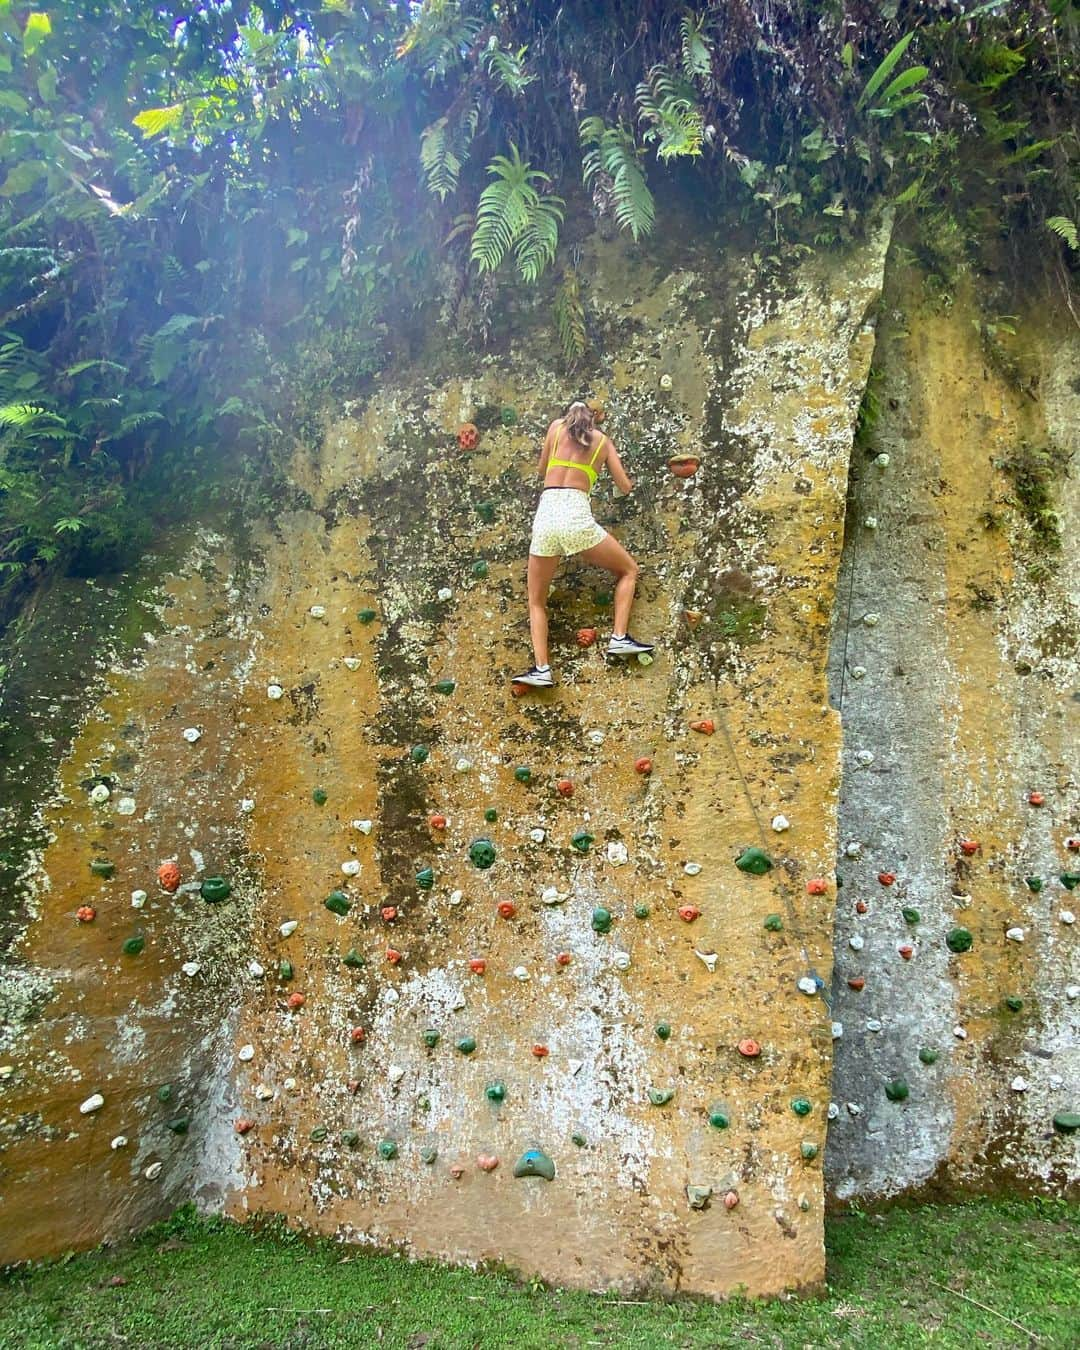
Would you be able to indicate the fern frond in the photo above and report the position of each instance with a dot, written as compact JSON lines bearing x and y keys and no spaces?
{"x":615,"y":154}
{"x":26,"y":415}
{"x":667,"y":103}
{"x":535,"y":250}
{"x":1066,"y":228}
{"x":507,"y":68}
{"x":439,"y":162}
{"x":570,"y":319}
{"x":440,"y":38}
{"x":99,"y":363}
{"x":884,"y":69}
{"x":511,"y":212}
{"x":696,"y":48}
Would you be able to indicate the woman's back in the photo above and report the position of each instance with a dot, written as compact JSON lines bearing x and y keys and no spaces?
{"x":570,"y":460}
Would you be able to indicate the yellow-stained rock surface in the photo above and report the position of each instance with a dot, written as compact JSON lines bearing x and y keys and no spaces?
{"x":680,"y":1163}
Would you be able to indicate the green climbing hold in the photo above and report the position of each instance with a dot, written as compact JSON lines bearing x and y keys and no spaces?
{"x":319,"y":797}
{"x":660,"y":1097}
{"x":486,"y":511}
{"x":284,"y":970}
{"x":134,"y":945}
{"x":927,"y":1055}
{"x":214,"y":889}
{"x":480,"y":569}
{"x":958,"y":940}
{"x":1034,"y":883}
{"x":602,"y":599}
{"x":467,"y":1044}
{"x":387,"y":1149}
{"x":508,"y":416}
{"x":445,"y":686}
{"x":353,"y":959}
{"x":578,"y":1139}
{"x":774,"y":923}
{"x":178,"y":1124}
{"x":663,"y":1030}
{"x":1013,"y":1003}
{"x":1067,"y":1122}
{"x":495,"y":1092}
{"x":808,"y":1150}
{"x":801,"y":1106}
{"x":428,"y":1154}
{"x":425,"y":878}
{"x":164,"y":1092}
{"x":523,"y":773}
{"x":642,"y":911}
{"x":350,"y":1138}
{"x":482,"y":853}
{"x":366,"y":615}
{"x":338,"y":902}
{"x":582,"y":840}
{"x":431,"y":1038}
{"x":1070,"y":880}
{"x":318,"y":1134}
{"x":601,"y":919}
{"x":754,"y":860}
{"x":101,"y":867}
{"x":719,"y":1120}
{"x":897,"y":1090}
{"x":534,"y":1162}
{"x":911,"y":916}
{"x":419,"y":753}
{"x":491,"y":815}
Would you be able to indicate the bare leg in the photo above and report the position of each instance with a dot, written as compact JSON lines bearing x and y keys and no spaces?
{"x":540,"y":572}
{"x":610,"y":554}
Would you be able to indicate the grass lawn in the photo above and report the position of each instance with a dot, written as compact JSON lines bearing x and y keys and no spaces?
{"x":988,"y":1273}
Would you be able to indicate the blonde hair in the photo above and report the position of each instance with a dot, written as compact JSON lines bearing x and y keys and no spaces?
{"x":579,"y":423}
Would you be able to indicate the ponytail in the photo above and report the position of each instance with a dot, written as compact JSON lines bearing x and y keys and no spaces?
{"x":579,"y":423}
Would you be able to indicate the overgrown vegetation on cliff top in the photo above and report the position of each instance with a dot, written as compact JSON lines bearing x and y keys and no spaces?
{"x":211,"y":217}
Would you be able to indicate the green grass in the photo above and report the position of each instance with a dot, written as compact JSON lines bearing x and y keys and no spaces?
{"x":906,"y":1278}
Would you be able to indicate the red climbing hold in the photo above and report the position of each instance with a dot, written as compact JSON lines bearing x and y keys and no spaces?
{"x":731,"y":1199}
{"x":688,"y":913}
{"x":242,"y":1126}
{"x":693,"y":617}
{"x":968,"y":847}
{"x":563,"y":958}
{"x":886,"y":878}
{"x":643,"y":765}
{"x":389,"y":913}
{"x":353,"y":1086}
{"x":749,"y":1048}
{"x":358,"y":1035}
{"x":518,"y":690}
{"x":564,"y":787}
{"x":586,"y":637}
{"x":1073,"y":844}
{"x":86,"y":913}
{"x":487,"y":1162}
{"x":437,"y":822}
{"x":856,"y":982}
{"x":506,"y":909}
{"x":684,"y":466}
{"x":861,"y":906}
{"x":168,"y":875}
{"x":296,"y":1000}
{"x":457,"y":1171}
{"x":907,"y":951}
{"x":817,"y":886}
{"x":540,"y":1051}
{"x":393,"y":955}
{"x":468,"y":436}
{"x":477,"y":965}
{"x":1036,"y":798}
{"x":706,"y":726}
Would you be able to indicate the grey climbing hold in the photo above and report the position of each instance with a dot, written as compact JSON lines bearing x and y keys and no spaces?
{"x":661,"y":1097}
{"x":534,"y":1162}
{"x":428,"y":1154}
{"x":699,"y":1196}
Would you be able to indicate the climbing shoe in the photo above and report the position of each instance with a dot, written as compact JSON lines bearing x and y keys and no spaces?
{"x":627,"y":646}
{"x":538,"y":679}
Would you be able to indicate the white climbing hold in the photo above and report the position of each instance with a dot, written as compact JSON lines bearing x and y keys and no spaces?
{"x":392,"y":996}
{"x":873,"y":1024}
{"x":870,"y":522}
{"x":551,"y":895}
{"x":245,"y":1053}
{"x":807,"y":985}
{"x":709,"y":959}
{"x":857,"y":672}
{"x":395,"y":1073}
{"x":692,"y":868}
{"x":138,"y":899}
{"x":1014,"y":934}
{"x":871,"y":619}
{"x":596,"y":737}
{"x":247,"y":805}
{"x":455,"y":897}
{"x":263,"y":1093}
{"x":99,"y":794}
{"x":833,"y":1111}
{"x":882,"y":460}
{"x":289,"y":927}
{"x":1072,"y":991}
{"x":617,"y":854}
{"x":959,"y":1033}
{"x":274,"y":692}
{"x":364,"y":826}
{"x":119,"y":1142}
{"x":538,"y":836}
{"x":1019,"y":1084}
{"x":621,"y":960}
{"x":92,"y":1104}
{"x":780,"y":824}
{"x":350,"y":867}
{"x":255,"y":970}
{"x":153,"y":1171}
{"x":1067,"y":916}
{"x":125,"y":806}
{"x":351,"y":662}
{"x":854,"y":1109}
{"x":864,"y":757}
{"x":317,"y":611}
{"x":520,"y":973}
{"x":191,"y":734}
{"x":445,"y":593}
{"x":665,"y":383}
{"x":191,"y":968}
{"x":853,"y":848}
{"x":837,"y":1030}
{"x":857,"y":942}
{"x":463,"y":765}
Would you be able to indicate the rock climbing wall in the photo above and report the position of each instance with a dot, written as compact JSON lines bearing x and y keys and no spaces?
{"x":329,"y":923}
{"x":955,"y":665}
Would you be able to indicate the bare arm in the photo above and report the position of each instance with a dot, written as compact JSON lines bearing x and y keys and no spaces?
{"x":618,"y":473}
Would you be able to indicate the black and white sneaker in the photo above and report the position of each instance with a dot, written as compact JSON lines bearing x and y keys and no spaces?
{"x":536,"y":677}
{"x":627,"y":646}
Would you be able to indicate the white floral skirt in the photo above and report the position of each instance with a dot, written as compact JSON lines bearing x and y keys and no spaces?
{"x":564,"y":524}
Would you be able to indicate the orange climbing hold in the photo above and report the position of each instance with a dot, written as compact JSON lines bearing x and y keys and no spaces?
{"x":168,"y":875}
{"x":688,"y":913}
{"x":296,"y":1000}
{"x":477,"y":965}
{"x":389,"y":913}
{"x":1036,"y":798}
{"x":643,"y":765}
{"x":518,"y":690}
{"x":886,"y":878}
{"x":393,"y":955}
{"x":968,"y":847}
{"x":564,"y":787}
{"x":684,"y":466}
{"x":907,"y":951}
{"x":856,"y":982}
{"x":586,"y":637}
{"x":563,"y":958}
{"x":353,"y":1086}
{"x":817,"y":886}
{"x":487,"y":1162}
{"x":468,"y":436}
{"x":693,"y":617}
{"x":540,"y":1051}
{"x":358,"y":1035}
{"x":86,"y":913}
{"x":437,"y":822}
{"x":731,"y":1199}
{"x":242,"y":1126}
{"x":749,"y":1048}
{"x":706,"y":726}
{"x":506,"y":909}
{"x":861,"y":906}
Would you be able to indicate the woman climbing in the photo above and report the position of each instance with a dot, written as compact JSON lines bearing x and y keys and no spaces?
{"x":572,"y":456}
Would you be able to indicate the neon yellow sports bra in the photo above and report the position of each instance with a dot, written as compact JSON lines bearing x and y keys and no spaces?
{"x":588,"y":469}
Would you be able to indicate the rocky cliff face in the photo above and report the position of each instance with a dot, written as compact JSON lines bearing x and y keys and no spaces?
{"x":612,"y":1003}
